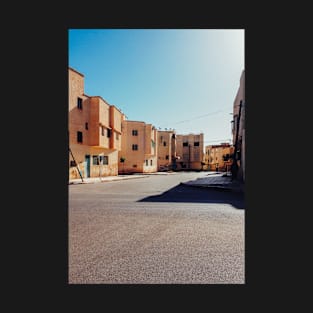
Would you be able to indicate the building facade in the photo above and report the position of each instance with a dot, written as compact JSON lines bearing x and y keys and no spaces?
{"x":94,"y":132}
{"x":218,"y":157}
{"x":139,"y":148}
{"x":166,"y":150}
{"x":189,"y":151}
{"x":238,"y":129}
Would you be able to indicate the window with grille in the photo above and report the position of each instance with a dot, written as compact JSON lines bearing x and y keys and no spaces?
{"x":79,"y":137}
{"x":79,"y":103}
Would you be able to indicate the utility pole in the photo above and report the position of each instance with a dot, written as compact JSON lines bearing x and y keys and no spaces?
{"x":234,"y":166}
{"x":76,"y":164}
{"x":189,"y":156}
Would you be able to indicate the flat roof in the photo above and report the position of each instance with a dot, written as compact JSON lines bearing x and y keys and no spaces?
{"x":70,"y":68}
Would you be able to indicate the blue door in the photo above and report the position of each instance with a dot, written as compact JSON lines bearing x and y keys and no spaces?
{"x":87,"y":165}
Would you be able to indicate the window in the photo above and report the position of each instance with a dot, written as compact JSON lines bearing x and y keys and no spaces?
{"x":105,"y":160}
{"x":95,"y":160}
{"x":196,"y":144}
{"x":167,"y":157}
{"x":109,"y":133}
{"x":72,"y":163}
{"x":80,"y":103}
{"x":86,"y":126}
{"x":135,"y":132}
{"x":185,"y":144}
{"x":102,"y":131}
{"x":79,"y":137}
{"x":164,"y":143}
{"x":146,"y":162}
{"x":152,"y":143}
{"x":135,"y":147}
{"x":135,"y":165}
{"x":151,"y":162}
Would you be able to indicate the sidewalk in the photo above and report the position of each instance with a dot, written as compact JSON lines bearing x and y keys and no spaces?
{"x":92,"y":180}
{"x":217,"y":181}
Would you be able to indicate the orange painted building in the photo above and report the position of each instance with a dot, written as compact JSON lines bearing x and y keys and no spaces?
{"x":218,"y":157}
{"x":166,"y":150}
{"x":189,"y":151}
{"x":94,"y":132}
{"x":139,"y":148}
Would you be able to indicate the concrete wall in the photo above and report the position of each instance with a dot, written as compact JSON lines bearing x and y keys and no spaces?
{"x":214,"y":157}
{"x":77,"y":117}
{"x":101,"y":170}
{"x":96,"y":113}
{"x":240,"y":96}
{"x":190,"y":156}
{"x":116,"y":118}
{"x":136,"y":159}
{"x":166,"y":149}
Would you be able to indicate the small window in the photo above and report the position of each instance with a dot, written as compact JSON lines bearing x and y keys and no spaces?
{"x":80,"y":103}
{"x":72,"y":163}
{"x":86,"y":126}
{"x":135,"y":165}
{"x":79,"y":137}
{"x":196,"y":144}
{"x":135,"y":132}
{"x":146,"y":162}
{"x":167,"y":157}
{"x":185,"y":144}
{"x":151,"y":162}
{"x":102,"y":131}
{"x":95,"y":160}
{"x":105,"y":160}
{"x":135,"y":147}
{"x":164,"y":143}
{"x":109,"y":133}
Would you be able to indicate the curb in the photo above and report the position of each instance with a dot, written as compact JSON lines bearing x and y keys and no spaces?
{"x":103,"y":181}
{"x":215,"y":187}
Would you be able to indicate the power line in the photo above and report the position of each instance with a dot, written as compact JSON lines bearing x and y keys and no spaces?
{"x":201,"y":116}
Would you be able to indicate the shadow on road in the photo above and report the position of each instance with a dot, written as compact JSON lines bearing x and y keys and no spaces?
{"x":183,"y":193}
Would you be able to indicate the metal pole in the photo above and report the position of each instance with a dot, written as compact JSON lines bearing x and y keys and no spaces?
{"x":76,"y":164}
{"x":235,"y":165}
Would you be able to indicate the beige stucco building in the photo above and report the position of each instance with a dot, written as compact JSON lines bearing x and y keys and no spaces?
{"x":189,"y":150}
{"x":166,"y":150}
{"x":239,"y":132}
{"x":218,"y":157}
{"x":139,"y":148}
{"x":94,"y":132}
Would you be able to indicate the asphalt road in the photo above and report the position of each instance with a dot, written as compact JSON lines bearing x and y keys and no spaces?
{"x":152,"y":230}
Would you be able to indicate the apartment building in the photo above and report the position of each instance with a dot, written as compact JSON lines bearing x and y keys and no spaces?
{"x":166,"y":150}
{"x":218,"y":157}
{"x":139,"y":148}
{"x":238,"y":129}
{"x":94,"y":132}
{"x":189,"y":150}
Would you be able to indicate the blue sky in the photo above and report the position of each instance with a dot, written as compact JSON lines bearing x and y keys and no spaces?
{"x":184,"y":79}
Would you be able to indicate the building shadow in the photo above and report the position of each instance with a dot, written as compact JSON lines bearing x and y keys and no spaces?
{"x":193,"y":194}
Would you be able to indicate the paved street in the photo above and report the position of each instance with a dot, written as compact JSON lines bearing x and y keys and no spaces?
{"x":154,"y":230}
